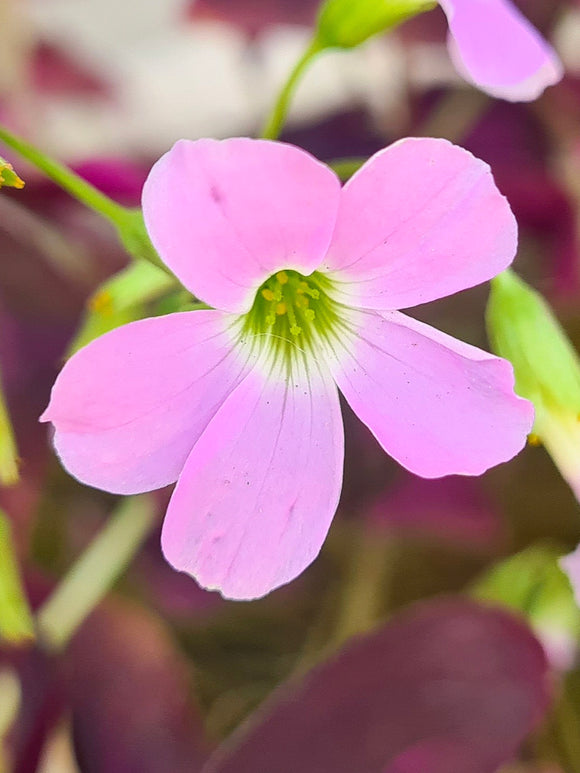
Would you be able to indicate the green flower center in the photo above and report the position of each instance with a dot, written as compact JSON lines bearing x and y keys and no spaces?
{"x":293,"y":313}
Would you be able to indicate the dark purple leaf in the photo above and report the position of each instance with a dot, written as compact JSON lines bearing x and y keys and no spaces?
{"x":448,"y":685}
{"x":130,"y":692}
{"x":452,"y":509}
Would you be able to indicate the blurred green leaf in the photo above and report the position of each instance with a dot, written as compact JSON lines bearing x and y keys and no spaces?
{"x":8,"y":451}
{"x":122,"y":299}
{"x":16,"y":624}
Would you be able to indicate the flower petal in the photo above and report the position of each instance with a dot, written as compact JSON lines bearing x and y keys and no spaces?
{"x":226,"y":215}
{"x":129,"y":407}
{"x":435,"y":404}
{"x":259,"y":490}
{"x":497,"y":49}
{"x":421,"y":220}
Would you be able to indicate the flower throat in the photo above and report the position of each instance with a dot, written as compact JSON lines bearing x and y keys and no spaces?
{"x":293,"y":311}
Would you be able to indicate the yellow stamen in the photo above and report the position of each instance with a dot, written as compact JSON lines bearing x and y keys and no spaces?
{"x":268,"y":294}
{"x":281,"y":308}
{"x":534,"y":440}
{"x":282,"y":277}
{"x":295,"y":328}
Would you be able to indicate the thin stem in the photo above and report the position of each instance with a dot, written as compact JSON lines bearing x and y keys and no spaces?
{"x":65,"y":178}
{"x":366,"y":583}
{"x":277,"y":118}
{"x":95,"y":572}
{"x":128,"y":222}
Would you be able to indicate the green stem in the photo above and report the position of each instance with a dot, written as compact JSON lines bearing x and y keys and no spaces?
{"x":277,"y":118}
{"x":95,"y":572}
{"x":16,"y":624}
{"x":128,"y":222}
{"x":366,"y":584}
{"x":66,"y":178}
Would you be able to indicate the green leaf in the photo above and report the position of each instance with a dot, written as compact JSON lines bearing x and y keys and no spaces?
{"x":8,"y":451}
{"x":16,"y":624}
{"x":122,"y":299}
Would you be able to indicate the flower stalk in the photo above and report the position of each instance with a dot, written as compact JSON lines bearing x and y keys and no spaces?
{"x":277,"y":118}
{"x":95,"y":572}
{"x":127,"y":221}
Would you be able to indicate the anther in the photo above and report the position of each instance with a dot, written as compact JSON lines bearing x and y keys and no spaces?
{"x":295,"y":329}
{"x":281,"y":308}
{"x":268,"y":294}
{"x":282,"y":277}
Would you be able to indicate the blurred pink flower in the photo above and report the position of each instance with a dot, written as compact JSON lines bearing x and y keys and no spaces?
{"x":240,"y":404}
{"x":496,"y":48}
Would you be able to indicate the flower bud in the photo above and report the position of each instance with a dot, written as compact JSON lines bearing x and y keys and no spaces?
{"x":348,"y":23}
{"x":8,"y":176}
{"x":523,"y":329}
{"x":532,"y":583}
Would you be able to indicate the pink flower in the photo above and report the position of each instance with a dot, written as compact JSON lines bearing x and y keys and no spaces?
{"x":240,"y":404}
{"x":497,"y":49}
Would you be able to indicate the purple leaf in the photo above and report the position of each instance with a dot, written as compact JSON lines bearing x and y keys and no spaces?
{"x":447,"y":685}
{"x":130,"y":696}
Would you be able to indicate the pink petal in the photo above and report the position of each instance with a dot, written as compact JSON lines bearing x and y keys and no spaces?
{"x":128,"y":408}
{"x":259,"y":490}
{"x":226,"y":215}
{"x":435,"y":404}
{"x":497,"y":49}
{"x":421,"y":220}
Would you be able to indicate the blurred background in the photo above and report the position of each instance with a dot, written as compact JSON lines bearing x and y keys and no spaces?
{"x":162,"y":672}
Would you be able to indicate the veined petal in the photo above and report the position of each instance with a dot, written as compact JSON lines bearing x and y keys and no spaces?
{"x":226,"y":215}
{"x":128,"y":408}
{"x":420,"y":220}
{"x":437,"y":405}
{"x":497,"y":49}
{"x":259,"y":490}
